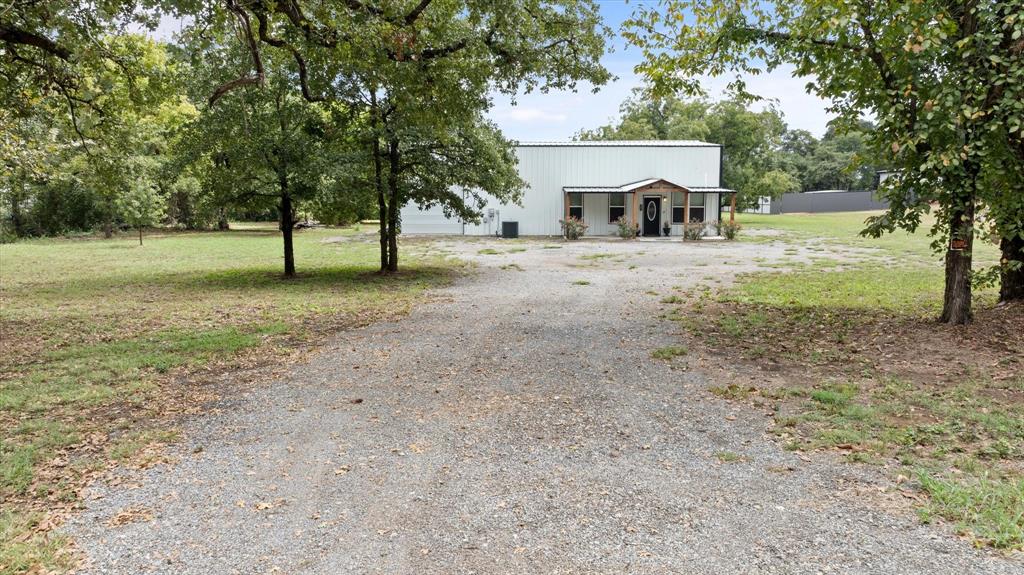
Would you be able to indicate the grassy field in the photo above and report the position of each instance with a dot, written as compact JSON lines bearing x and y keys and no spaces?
{"x":851,"y":359}
{"x":105,"y":343}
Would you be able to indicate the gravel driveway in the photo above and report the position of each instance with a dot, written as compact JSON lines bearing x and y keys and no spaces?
{"x":517,"y":426}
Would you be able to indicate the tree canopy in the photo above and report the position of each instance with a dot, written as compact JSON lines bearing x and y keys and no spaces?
{"x":344,"y":104}
{"x":939,"y":79}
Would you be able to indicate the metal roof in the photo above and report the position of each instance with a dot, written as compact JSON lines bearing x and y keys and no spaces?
{"x":625,"y":188}
{"x":699,"y":189}
{"x":623,"y":143}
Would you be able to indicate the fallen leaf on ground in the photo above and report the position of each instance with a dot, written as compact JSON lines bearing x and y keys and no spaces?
{"x":130,"y":515}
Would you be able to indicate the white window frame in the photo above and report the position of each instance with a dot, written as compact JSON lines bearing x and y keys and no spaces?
{"x":573,"y":206}
{"x":622,"y":206}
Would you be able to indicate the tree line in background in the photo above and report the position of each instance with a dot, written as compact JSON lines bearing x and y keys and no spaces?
{"x":131,"y":149}
{"x":337,"y":111}
{"x":761,"y":156}
{"x":356,"y":107}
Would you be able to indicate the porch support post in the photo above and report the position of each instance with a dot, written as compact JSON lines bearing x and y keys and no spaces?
{"x":732,"y":208}
{"x":634,"y":211}
{"x":686,"y":212}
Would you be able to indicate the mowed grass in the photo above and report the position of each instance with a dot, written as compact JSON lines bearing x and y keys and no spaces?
{"x":879,"y":379}
{"x":962,"y":442}
{"x":843,"y":230}
{"x":898,"y":273}
{"x":99,"y":335}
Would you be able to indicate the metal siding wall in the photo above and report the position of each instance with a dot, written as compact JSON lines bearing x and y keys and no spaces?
{"x":547,"y":169}
{"x":595,"y":214}
{"x":430,"y":221}
{"x":829,"y":202}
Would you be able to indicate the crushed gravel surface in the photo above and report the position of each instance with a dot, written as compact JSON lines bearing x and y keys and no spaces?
{"x":519,"y":425}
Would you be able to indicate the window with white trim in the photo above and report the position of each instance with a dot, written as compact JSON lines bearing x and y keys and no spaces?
{"x":616,"y":206}
{"x":576,"y":205}
{"x":697,"y":207}
{"x":679,"y":207}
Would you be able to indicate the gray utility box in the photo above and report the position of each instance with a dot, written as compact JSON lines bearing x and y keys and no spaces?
{"x":510,"y":229}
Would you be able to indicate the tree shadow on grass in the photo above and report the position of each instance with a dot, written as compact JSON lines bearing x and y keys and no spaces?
{"x":329,"y":277}
{"x":261,"y":279}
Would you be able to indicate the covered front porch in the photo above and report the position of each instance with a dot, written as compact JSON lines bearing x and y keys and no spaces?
{"x":652,"y":207}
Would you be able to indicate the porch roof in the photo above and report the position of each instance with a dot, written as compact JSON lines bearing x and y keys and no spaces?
{"x":633,"y":186}
{"x":698,"y":190}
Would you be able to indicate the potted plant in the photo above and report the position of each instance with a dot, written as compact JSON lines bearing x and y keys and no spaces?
{"x":666,"y":228}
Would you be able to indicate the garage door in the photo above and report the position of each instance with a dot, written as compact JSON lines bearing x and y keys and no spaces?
{"x":430,"y":221}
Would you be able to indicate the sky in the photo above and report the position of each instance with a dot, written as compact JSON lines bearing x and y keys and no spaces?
{"x":560,"y":115}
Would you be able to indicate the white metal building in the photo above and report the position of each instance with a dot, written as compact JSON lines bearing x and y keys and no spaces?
{"x":647,"y":182}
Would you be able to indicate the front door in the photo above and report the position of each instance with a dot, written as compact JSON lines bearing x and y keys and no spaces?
{"x":652,"y":216}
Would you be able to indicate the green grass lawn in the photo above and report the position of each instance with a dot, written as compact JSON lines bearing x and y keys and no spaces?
{"x":864,"y":368}
{"x":843,"y":229}
{"x":97,"y":336}
{"x":898,"y":273}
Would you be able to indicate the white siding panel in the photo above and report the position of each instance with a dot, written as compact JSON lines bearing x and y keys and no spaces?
{"x":547,"y":169}
{"x":429,"y":221}
{"x":595,"y":214}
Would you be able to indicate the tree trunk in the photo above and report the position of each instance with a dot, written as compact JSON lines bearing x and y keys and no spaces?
{"x":378,"y":181}
{"x":222,"y":220}
{"x":956,"y":303}
{"x":1011,"y":281}
{"x":108,"y":222}
{"x":394,"y":159}
{"x":140,"y":235}
{"x":287,"y":225}
{"x":17,"y":222}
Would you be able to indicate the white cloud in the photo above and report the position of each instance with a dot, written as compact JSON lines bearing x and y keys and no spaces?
{"x":788,"y":93}
{"x":560,"y":115}
{"x":528,"y":115}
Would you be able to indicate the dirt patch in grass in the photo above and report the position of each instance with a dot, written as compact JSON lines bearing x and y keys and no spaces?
{"x":943,"y":406}
{"x":845,"y":355}
{"x":106,"y":346}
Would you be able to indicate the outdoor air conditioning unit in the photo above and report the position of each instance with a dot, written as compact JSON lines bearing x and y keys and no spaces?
{"x":509,"y":230}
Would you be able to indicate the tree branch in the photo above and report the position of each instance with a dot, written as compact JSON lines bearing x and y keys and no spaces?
{"x":260,"y":76}
{"x":414,"y":15}
{"x":264,"y":32}
{"x":13,"y":35}
{"x":236,"y":83}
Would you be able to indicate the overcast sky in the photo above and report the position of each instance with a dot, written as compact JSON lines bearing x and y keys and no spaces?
{"x":560,"y":115}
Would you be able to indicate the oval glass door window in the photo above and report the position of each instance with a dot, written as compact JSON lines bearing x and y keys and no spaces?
{"x":652,"y":211}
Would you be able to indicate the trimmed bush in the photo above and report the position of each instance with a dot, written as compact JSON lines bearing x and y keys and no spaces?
{"x":626,"y":229}
{"x":729,"y":230}
{"x":573,"y":228}
{"x":693,"y":230}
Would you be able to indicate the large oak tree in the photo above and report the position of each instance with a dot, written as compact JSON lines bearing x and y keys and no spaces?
{"x":423,"y":72}
{"x":939,"y":78}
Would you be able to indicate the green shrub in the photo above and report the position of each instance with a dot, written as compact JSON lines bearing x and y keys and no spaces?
{"x":729,"y":230}
{"x":626,"y":229}
{"x":693,"y":230}
{"x":573,"y":228}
